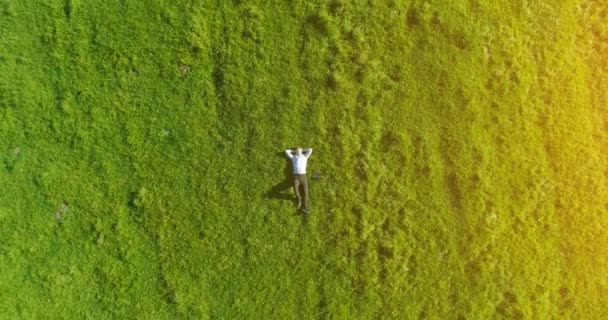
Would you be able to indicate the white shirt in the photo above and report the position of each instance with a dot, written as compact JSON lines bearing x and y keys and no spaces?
{"x":299,"y":162}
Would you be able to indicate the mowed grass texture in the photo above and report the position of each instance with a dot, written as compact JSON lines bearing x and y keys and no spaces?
{"x":461,"y":146}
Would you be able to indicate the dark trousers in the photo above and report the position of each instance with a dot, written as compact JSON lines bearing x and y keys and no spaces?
{"x":300,"y":180}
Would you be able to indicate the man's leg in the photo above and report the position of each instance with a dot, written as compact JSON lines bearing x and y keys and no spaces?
{"x":296,"y":188}
{"x":305,"y":185}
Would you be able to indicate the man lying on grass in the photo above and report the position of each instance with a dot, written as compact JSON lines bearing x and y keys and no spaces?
{"x":298,"y":161}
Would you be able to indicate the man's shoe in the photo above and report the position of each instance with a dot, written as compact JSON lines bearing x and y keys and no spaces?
{"x":299,"y":205}
{"x":306,"y":210}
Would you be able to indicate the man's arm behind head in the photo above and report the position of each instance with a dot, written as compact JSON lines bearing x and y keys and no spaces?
{"x":288,"y":153}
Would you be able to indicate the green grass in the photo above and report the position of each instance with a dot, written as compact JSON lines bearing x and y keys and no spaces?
{"x":461,"y":145}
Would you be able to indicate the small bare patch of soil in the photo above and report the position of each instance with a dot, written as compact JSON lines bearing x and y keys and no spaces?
{"x":61,"y":212}
{"x":185,"y":69}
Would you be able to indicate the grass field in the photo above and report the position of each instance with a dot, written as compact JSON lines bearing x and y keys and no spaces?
{"x":461,"y":145}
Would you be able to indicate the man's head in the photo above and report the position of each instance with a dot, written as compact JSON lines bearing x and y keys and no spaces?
{"x":298,"y":151}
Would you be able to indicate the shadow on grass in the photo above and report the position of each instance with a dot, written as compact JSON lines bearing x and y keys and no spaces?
{"x":281,"y":190}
